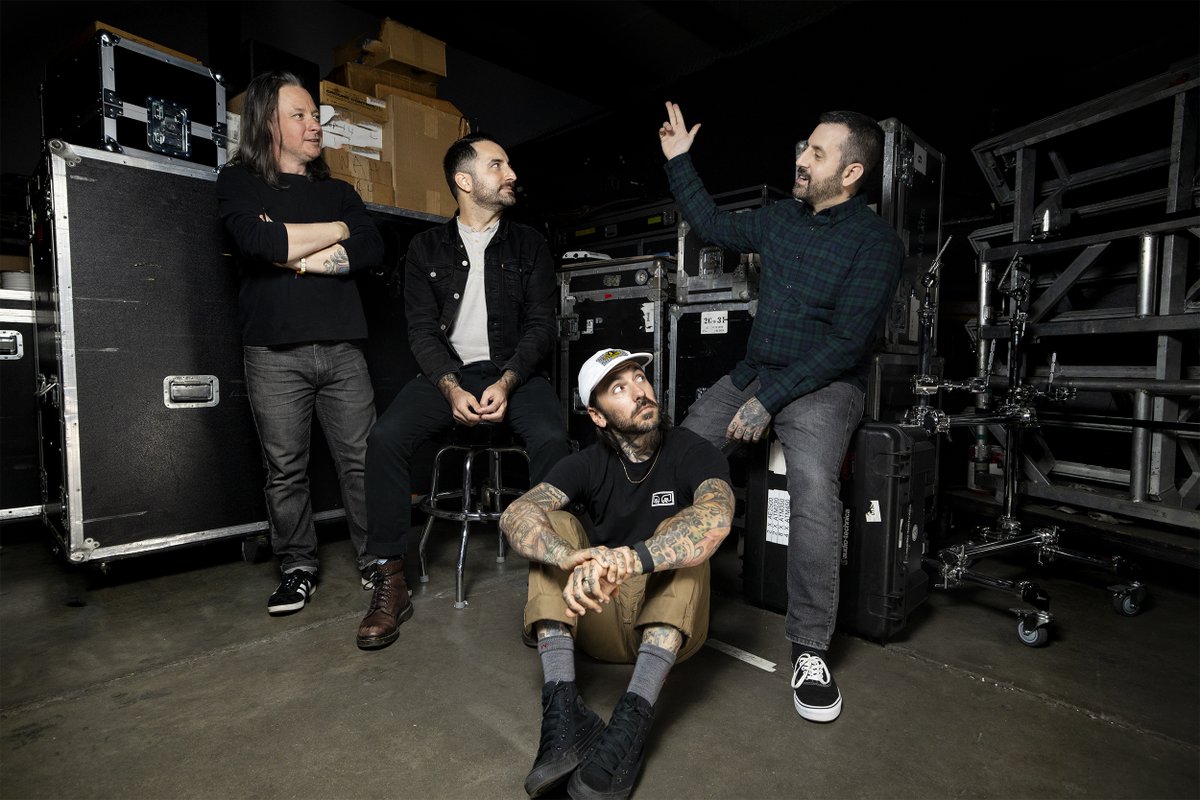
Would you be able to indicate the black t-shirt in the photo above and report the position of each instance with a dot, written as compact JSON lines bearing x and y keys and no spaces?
{"x":624,"y":512}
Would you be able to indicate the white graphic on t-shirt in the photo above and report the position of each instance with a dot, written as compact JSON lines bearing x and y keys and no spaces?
{"x":662,"y":499}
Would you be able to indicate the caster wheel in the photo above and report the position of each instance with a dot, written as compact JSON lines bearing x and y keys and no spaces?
{"x":255,"y":549}
{"x":1126,"y":605}
{"x":1033,"y":637}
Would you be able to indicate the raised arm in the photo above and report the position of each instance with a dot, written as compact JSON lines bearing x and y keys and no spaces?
{"x":674,"y":135}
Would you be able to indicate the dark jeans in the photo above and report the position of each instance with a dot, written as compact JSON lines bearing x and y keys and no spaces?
{"x":815,"y":432}
{"x":420,"y":412}
{"x":286,"y":384}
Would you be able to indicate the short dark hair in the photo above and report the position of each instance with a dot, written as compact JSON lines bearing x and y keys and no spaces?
{"x":864,"y":145}
{"x":256,"y":147}
{"x":459,"y":156}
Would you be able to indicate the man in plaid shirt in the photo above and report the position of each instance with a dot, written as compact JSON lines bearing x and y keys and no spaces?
{"x":830,"y":266}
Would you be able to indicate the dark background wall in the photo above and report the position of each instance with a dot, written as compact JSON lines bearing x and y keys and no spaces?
{"x":955,"y":72}
{"x":576,"y":89}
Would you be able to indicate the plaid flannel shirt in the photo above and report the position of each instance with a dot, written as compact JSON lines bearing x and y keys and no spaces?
{"x":827,"y":282}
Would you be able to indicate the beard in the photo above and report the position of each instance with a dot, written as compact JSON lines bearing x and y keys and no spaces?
{"x":819,"y":191}
{"x":494,"y":198}
{"x":636,"y":424}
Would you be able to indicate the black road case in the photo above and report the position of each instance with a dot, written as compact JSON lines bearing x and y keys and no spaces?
{"x":146,"y":436}
{"x":20,"y":487}
{"x":117,"y":94}
{"x":621,"y":302}
{"x":887,"y":485}
{"x":736,"y":278}
{"x":705,"y":342}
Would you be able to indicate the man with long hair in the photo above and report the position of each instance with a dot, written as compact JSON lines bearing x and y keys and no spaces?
{"x":300,"y":237}
{"x":634,"y":588}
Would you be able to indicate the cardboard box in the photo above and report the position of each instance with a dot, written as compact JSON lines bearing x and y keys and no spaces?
{"x":418,"y":136}
{"x":95,"y":27}
{"x":361,"y":103}
{"x":410,"y":47}
{"x":397,"y":48}
{"x":363,"y":78}
{"x":236,"y":104}
{"x":14,"y":263}
{"x":345,"y":161}
{"x":338,"y":131}
{"x":378,"y":193}
{"x":383,"y":91}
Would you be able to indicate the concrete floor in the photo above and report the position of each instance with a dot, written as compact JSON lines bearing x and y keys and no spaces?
{"x":168,"y":679}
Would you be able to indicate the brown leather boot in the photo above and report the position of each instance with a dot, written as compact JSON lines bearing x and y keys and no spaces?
{"x":390,"y":606}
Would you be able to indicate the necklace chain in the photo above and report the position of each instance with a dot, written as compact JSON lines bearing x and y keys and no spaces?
{"x":647,"y":475}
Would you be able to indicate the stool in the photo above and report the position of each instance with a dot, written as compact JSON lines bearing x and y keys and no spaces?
{"x":469,"y":502}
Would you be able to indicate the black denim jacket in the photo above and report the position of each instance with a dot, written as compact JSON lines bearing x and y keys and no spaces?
{"x":520,"y":290}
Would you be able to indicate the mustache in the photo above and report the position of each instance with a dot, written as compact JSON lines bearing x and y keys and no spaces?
{"x":643,"y":402}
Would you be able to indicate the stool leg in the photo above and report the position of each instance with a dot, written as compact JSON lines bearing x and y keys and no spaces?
{"x":421,"y":549}
{"x":497,"y":498}
{"x":460,"y":594}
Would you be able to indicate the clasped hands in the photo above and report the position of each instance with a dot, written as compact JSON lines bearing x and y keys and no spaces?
{"x":596,"y":575}
{"x":488,"y":407}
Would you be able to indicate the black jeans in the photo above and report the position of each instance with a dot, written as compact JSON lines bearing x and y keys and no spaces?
{"x":420,"y":412}
{"x":287,"y":385}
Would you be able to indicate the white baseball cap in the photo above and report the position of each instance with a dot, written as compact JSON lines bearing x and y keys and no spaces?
{"x":601,"y":364}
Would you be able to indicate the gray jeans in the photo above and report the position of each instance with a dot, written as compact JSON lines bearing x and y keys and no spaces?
{"x":286,"y":385}
{"x":815,"y":432}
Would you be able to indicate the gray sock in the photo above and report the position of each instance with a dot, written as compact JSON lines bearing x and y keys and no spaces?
{"x":650,"y":672}
{"x":558,"y":658}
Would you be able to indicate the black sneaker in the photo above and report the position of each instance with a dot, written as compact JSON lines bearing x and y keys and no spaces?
{"x":298,"y":585}
{"x":817,"y":697}
{"x":568,"y":729}
{"x":611,"y":769}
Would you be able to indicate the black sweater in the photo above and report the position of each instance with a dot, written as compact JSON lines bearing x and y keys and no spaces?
{"x":278,"y":306}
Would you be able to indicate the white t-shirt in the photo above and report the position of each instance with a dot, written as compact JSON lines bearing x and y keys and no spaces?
{"x":469,"y":336}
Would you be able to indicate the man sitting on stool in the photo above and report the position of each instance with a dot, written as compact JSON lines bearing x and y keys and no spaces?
{"x":480,"y":299}
{"x":660,"y":498}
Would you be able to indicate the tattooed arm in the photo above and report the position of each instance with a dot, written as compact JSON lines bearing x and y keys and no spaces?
{"x":316,"y":247}
{"x":328,"y":261}
{"x":526,"y":525}
{"x":693,"y":535}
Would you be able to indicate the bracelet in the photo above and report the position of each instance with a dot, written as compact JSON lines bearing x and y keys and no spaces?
{"x":643,"y":554}
{"x":303,"y":265}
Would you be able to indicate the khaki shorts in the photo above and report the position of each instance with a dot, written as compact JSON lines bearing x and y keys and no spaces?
{"x":677,"y":597}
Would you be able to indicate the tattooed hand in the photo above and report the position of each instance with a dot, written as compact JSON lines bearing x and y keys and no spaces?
{"x":750,"y":423}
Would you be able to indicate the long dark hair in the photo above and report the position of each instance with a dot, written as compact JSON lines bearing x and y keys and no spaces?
{"x":256,"y":149}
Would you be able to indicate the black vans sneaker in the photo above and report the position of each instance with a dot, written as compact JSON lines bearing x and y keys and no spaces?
{"x":297,"y":587}
{"x":817,"y":697}
{"x":611,"y":769}
{"x":568,"y":729}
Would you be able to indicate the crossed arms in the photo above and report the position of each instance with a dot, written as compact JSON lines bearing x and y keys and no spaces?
{"x":684,"y":540}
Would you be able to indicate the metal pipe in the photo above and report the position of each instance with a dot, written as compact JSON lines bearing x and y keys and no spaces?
{"x":1147,"y":274}
{"x":1151,"y":385}
{"x":982,"y":399}
{"x":1139,"y":456}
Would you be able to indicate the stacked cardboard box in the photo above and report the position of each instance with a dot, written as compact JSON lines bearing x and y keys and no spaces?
{"x":396,"y":72}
